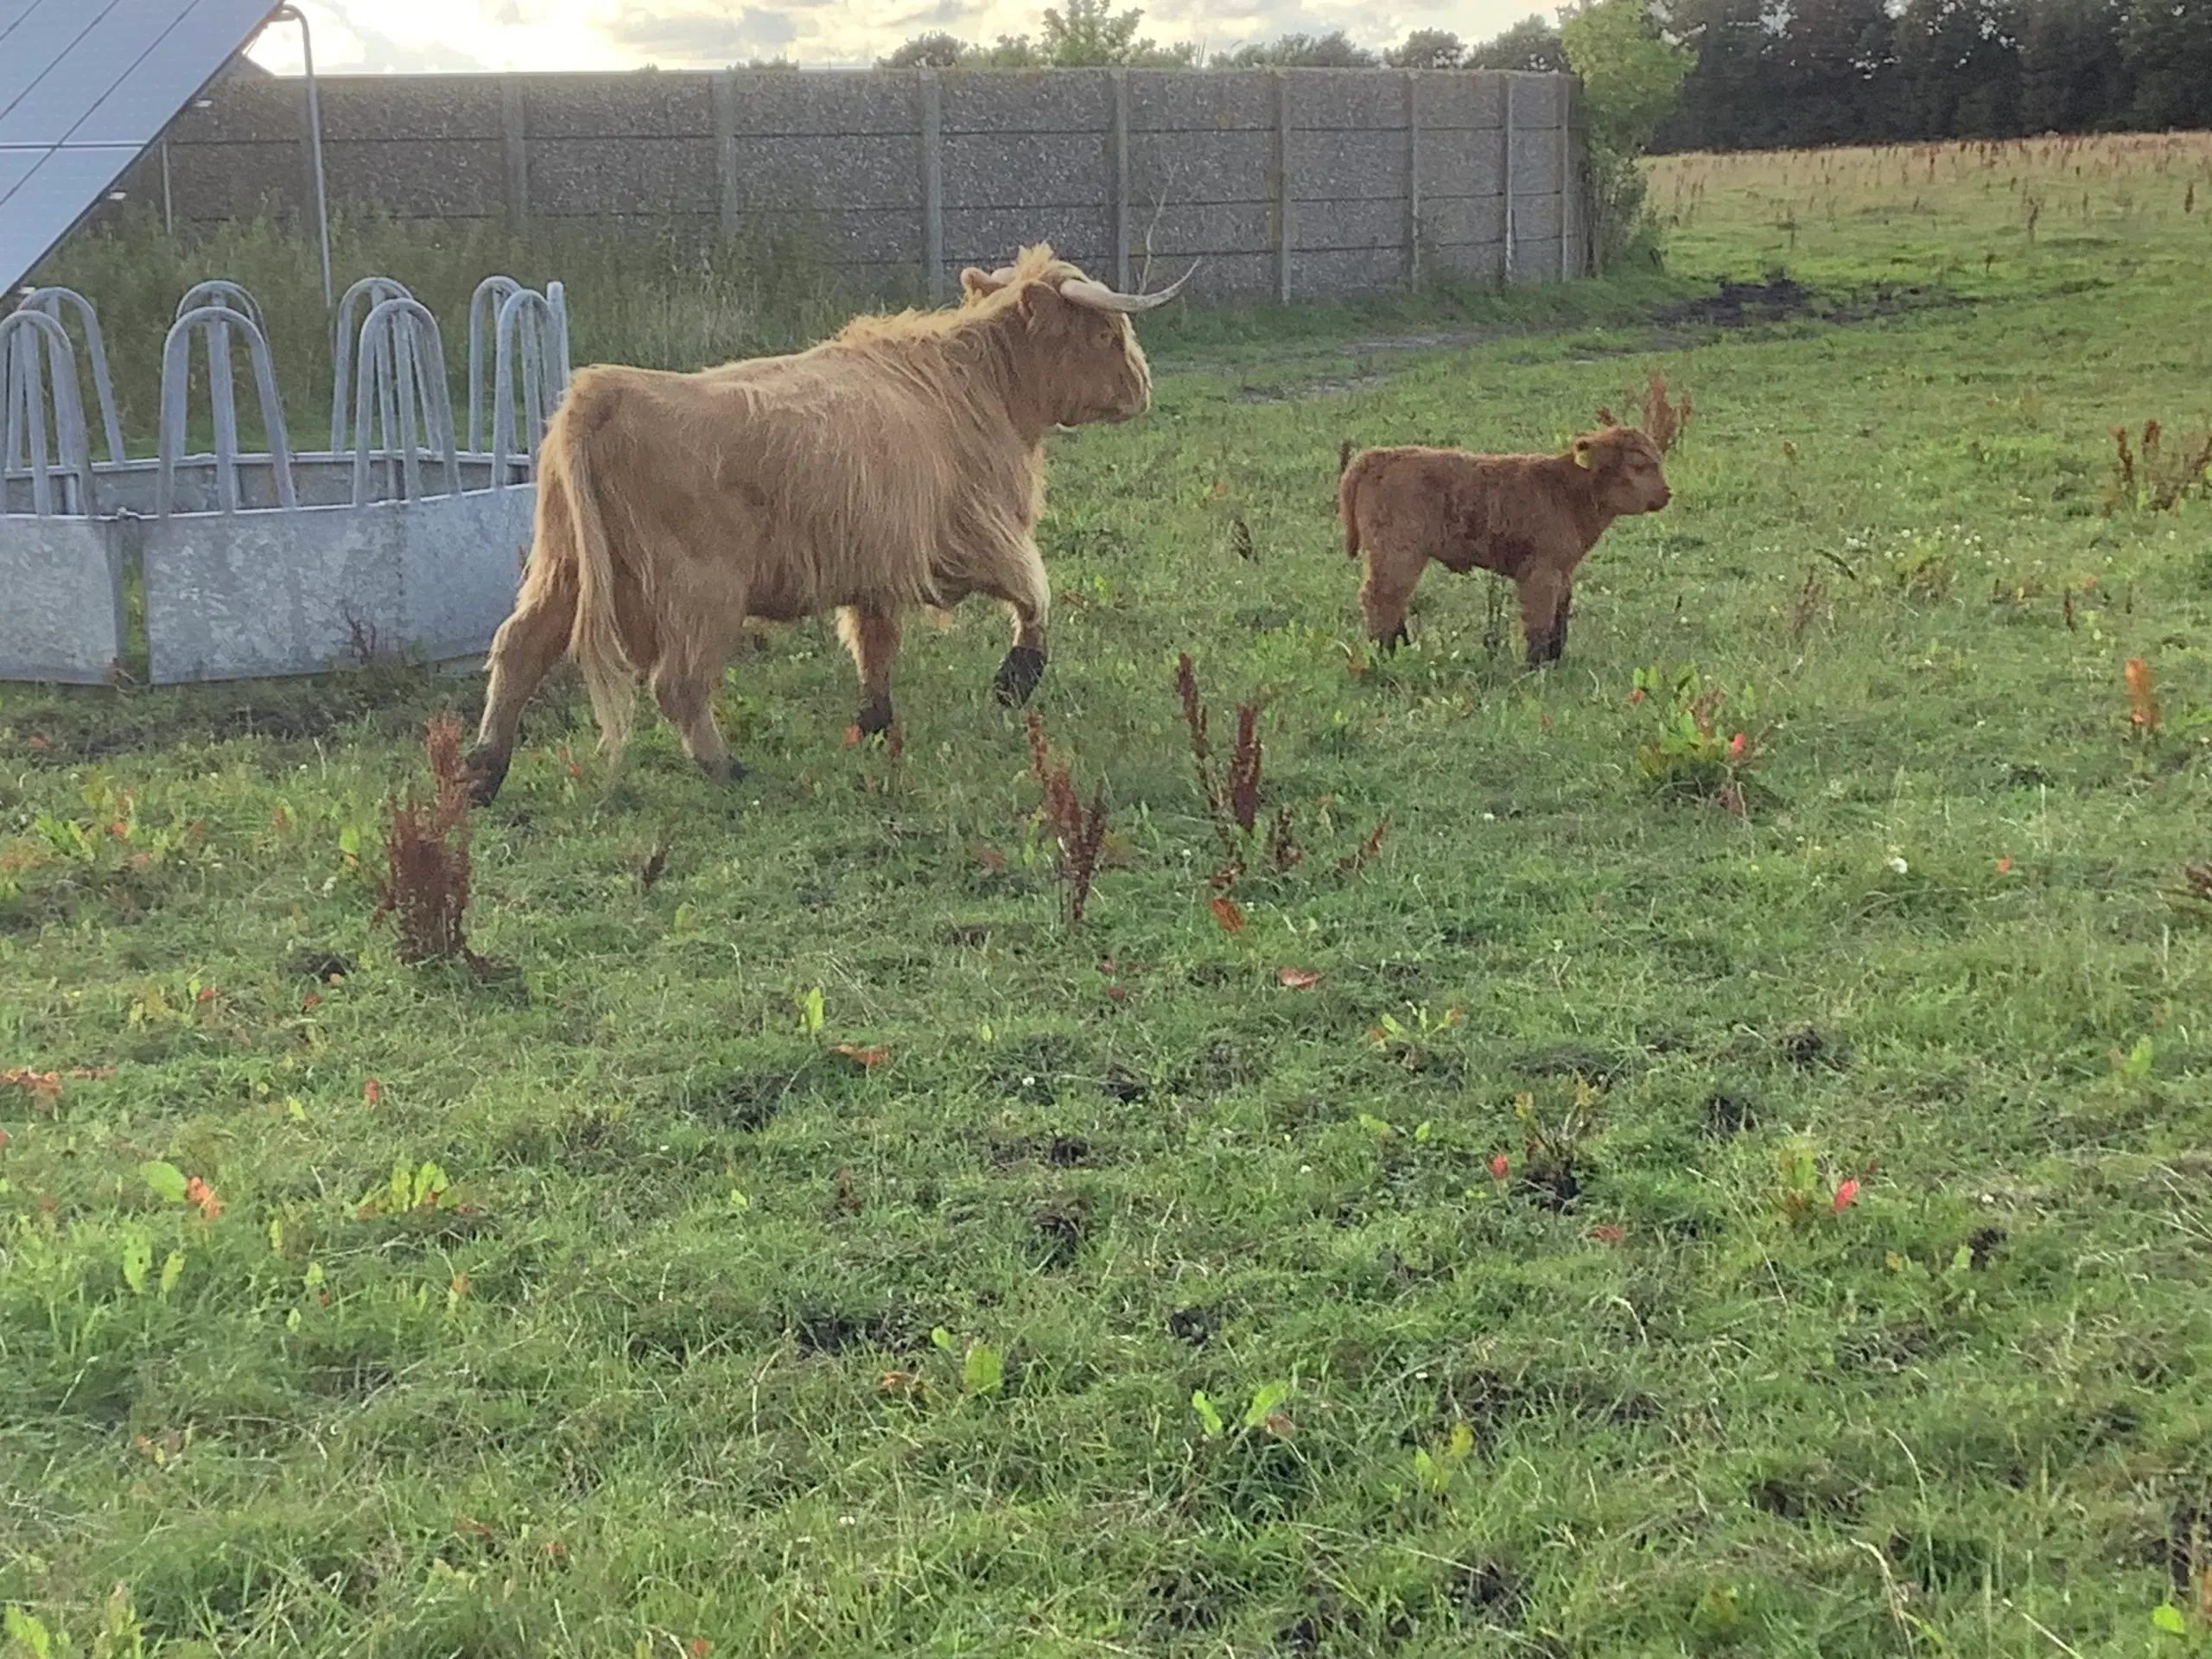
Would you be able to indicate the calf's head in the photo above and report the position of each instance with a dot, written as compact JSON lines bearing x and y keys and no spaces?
{"x":1625,"y":474}
{"x":1084,"y":364}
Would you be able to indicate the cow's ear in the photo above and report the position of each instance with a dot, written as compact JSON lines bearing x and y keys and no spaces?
{"x":1582,"y":452}
{"x":975,"y":284}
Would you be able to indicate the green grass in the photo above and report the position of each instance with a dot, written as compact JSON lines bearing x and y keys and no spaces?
{"x":646,"y":1375}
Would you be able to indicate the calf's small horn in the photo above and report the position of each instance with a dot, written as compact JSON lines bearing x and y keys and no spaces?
{"x":1086,"y":290}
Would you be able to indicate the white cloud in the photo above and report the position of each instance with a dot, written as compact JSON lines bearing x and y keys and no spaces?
{"x":354,"y":36}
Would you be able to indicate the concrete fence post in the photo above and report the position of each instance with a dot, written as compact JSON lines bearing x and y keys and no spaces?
{"x":1564,"y":94}
{"x":518,"y":142}
{"x":1279,"y":166}
{"x":1117,"y":160}
{"x":1506,"y":174}
{"x":724,"y":88}
{"x":1576,"y":205}
{"x":1413,"y":178}
{"x":932,"y":102}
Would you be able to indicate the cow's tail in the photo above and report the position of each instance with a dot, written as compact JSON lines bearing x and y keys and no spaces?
{"x":594,"y":640}
{"x":1348,"y":482}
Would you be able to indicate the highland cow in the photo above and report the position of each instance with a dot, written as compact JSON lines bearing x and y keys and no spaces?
{"x":897,"y":466}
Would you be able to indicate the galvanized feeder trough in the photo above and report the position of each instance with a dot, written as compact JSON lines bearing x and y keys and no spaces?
{"x":403,"y":539}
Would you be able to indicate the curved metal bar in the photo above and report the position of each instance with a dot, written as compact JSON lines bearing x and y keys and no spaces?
{"x":293,"y":15}
{"x":491,"y":297}
{"x":221,"y":291}
{"x":556,"y":296}
{"x":530,"y":330}
{"x":406,"y":381}
{"x":343,"y":337}
{"x":24,"y":419}
{"x":216,"y":322}
{"x":50,"y":300}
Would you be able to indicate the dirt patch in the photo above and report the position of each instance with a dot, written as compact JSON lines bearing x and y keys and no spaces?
{"x":1731,"y":1114}
{"x":1491,"y":1594}
{"x":1297,"y":391}
{"x":823,"y":1331}
{"x":1193,"y":1326}
{"x":95,"y":723}
{"x":1782,"y":299}
{"x":1122,"y":1085}
{"x":1808,"y":1046}
{"x":747,"y":1100}
{"x":1060,"y":1229}
{"x":1738,"y":305}
{"x":1567,"y":1060}
{"x":1060,"y":1151}
{"x":328,"y":966}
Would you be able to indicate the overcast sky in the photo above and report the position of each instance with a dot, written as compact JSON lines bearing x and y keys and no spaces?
{"x":413,"y":35}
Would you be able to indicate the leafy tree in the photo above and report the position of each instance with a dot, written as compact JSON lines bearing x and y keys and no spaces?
{"x":1531,"y":44}
{"x":1428,"y":49}
{"x":1632,"y":75}
{"x":1091,"y":35}
{"x":1828,"y":61}
{"x":937,"y":51}
{"x":1008,"y":52}
{"x":2073,"y":76}
{"x":1727,"y":100}
{"x":1958,"y":67}
{"x":1334,"y":50}
{"x":2167,"y":47}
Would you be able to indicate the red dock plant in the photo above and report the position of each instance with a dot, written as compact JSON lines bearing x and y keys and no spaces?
{"x":1249,"y":837}
{"x":1080,"y":833}
{"x":425,"y":888}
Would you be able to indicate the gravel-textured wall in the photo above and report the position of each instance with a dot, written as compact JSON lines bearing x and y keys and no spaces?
{"x":1292,"y":184}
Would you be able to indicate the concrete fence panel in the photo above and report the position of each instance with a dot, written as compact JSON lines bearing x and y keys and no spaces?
{"x":1288,"y":183}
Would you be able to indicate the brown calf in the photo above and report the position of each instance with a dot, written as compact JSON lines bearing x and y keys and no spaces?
{"x":1531,"y":517}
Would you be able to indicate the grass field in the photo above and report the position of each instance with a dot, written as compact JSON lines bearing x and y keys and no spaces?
{"x":805,"y":1242}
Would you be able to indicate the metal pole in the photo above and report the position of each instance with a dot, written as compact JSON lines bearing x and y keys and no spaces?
{"x":293,"y":15}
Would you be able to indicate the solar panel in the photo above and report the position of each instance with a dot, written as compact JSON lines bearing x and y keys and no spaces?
{"x":85,"y":87}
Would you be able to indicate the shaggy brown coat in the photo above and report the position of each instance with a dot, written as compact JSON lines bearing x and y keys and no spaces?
{"x":1532,"y":517}
{"x":896,"y":466}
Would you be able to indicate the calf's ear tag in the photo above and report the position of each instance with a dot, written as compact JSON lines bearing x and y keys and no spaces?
{"x":1582,"y":456}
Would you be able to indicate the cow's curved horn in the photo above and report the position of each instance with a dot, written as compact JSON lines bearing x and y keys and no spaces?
{"x":1086,"y":290}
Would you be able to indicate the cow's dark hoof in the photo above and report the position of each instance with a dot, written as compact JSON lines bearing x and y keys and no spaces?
{"x":1017,"y":676}
{"x":1391,"y":641}
{"x":486,"y":770}
{"x":874,"y":717}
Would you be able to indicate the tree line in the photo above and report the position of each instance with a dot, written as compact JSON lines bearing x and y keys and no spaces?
{"x":1843,"y":72}
{"x":1762,"y":73}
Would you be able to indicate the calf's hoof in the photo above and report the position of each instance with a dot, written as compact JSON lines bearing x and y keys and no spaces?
{"x":486,"y":770}
{"x":1388,"y":642}
{"x":1017,"y":676}
{"x":874,"y":717}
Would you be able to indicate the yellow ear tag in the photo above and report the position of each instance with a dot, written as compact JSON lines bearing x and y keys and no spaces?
{"x":1582,"y":459}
